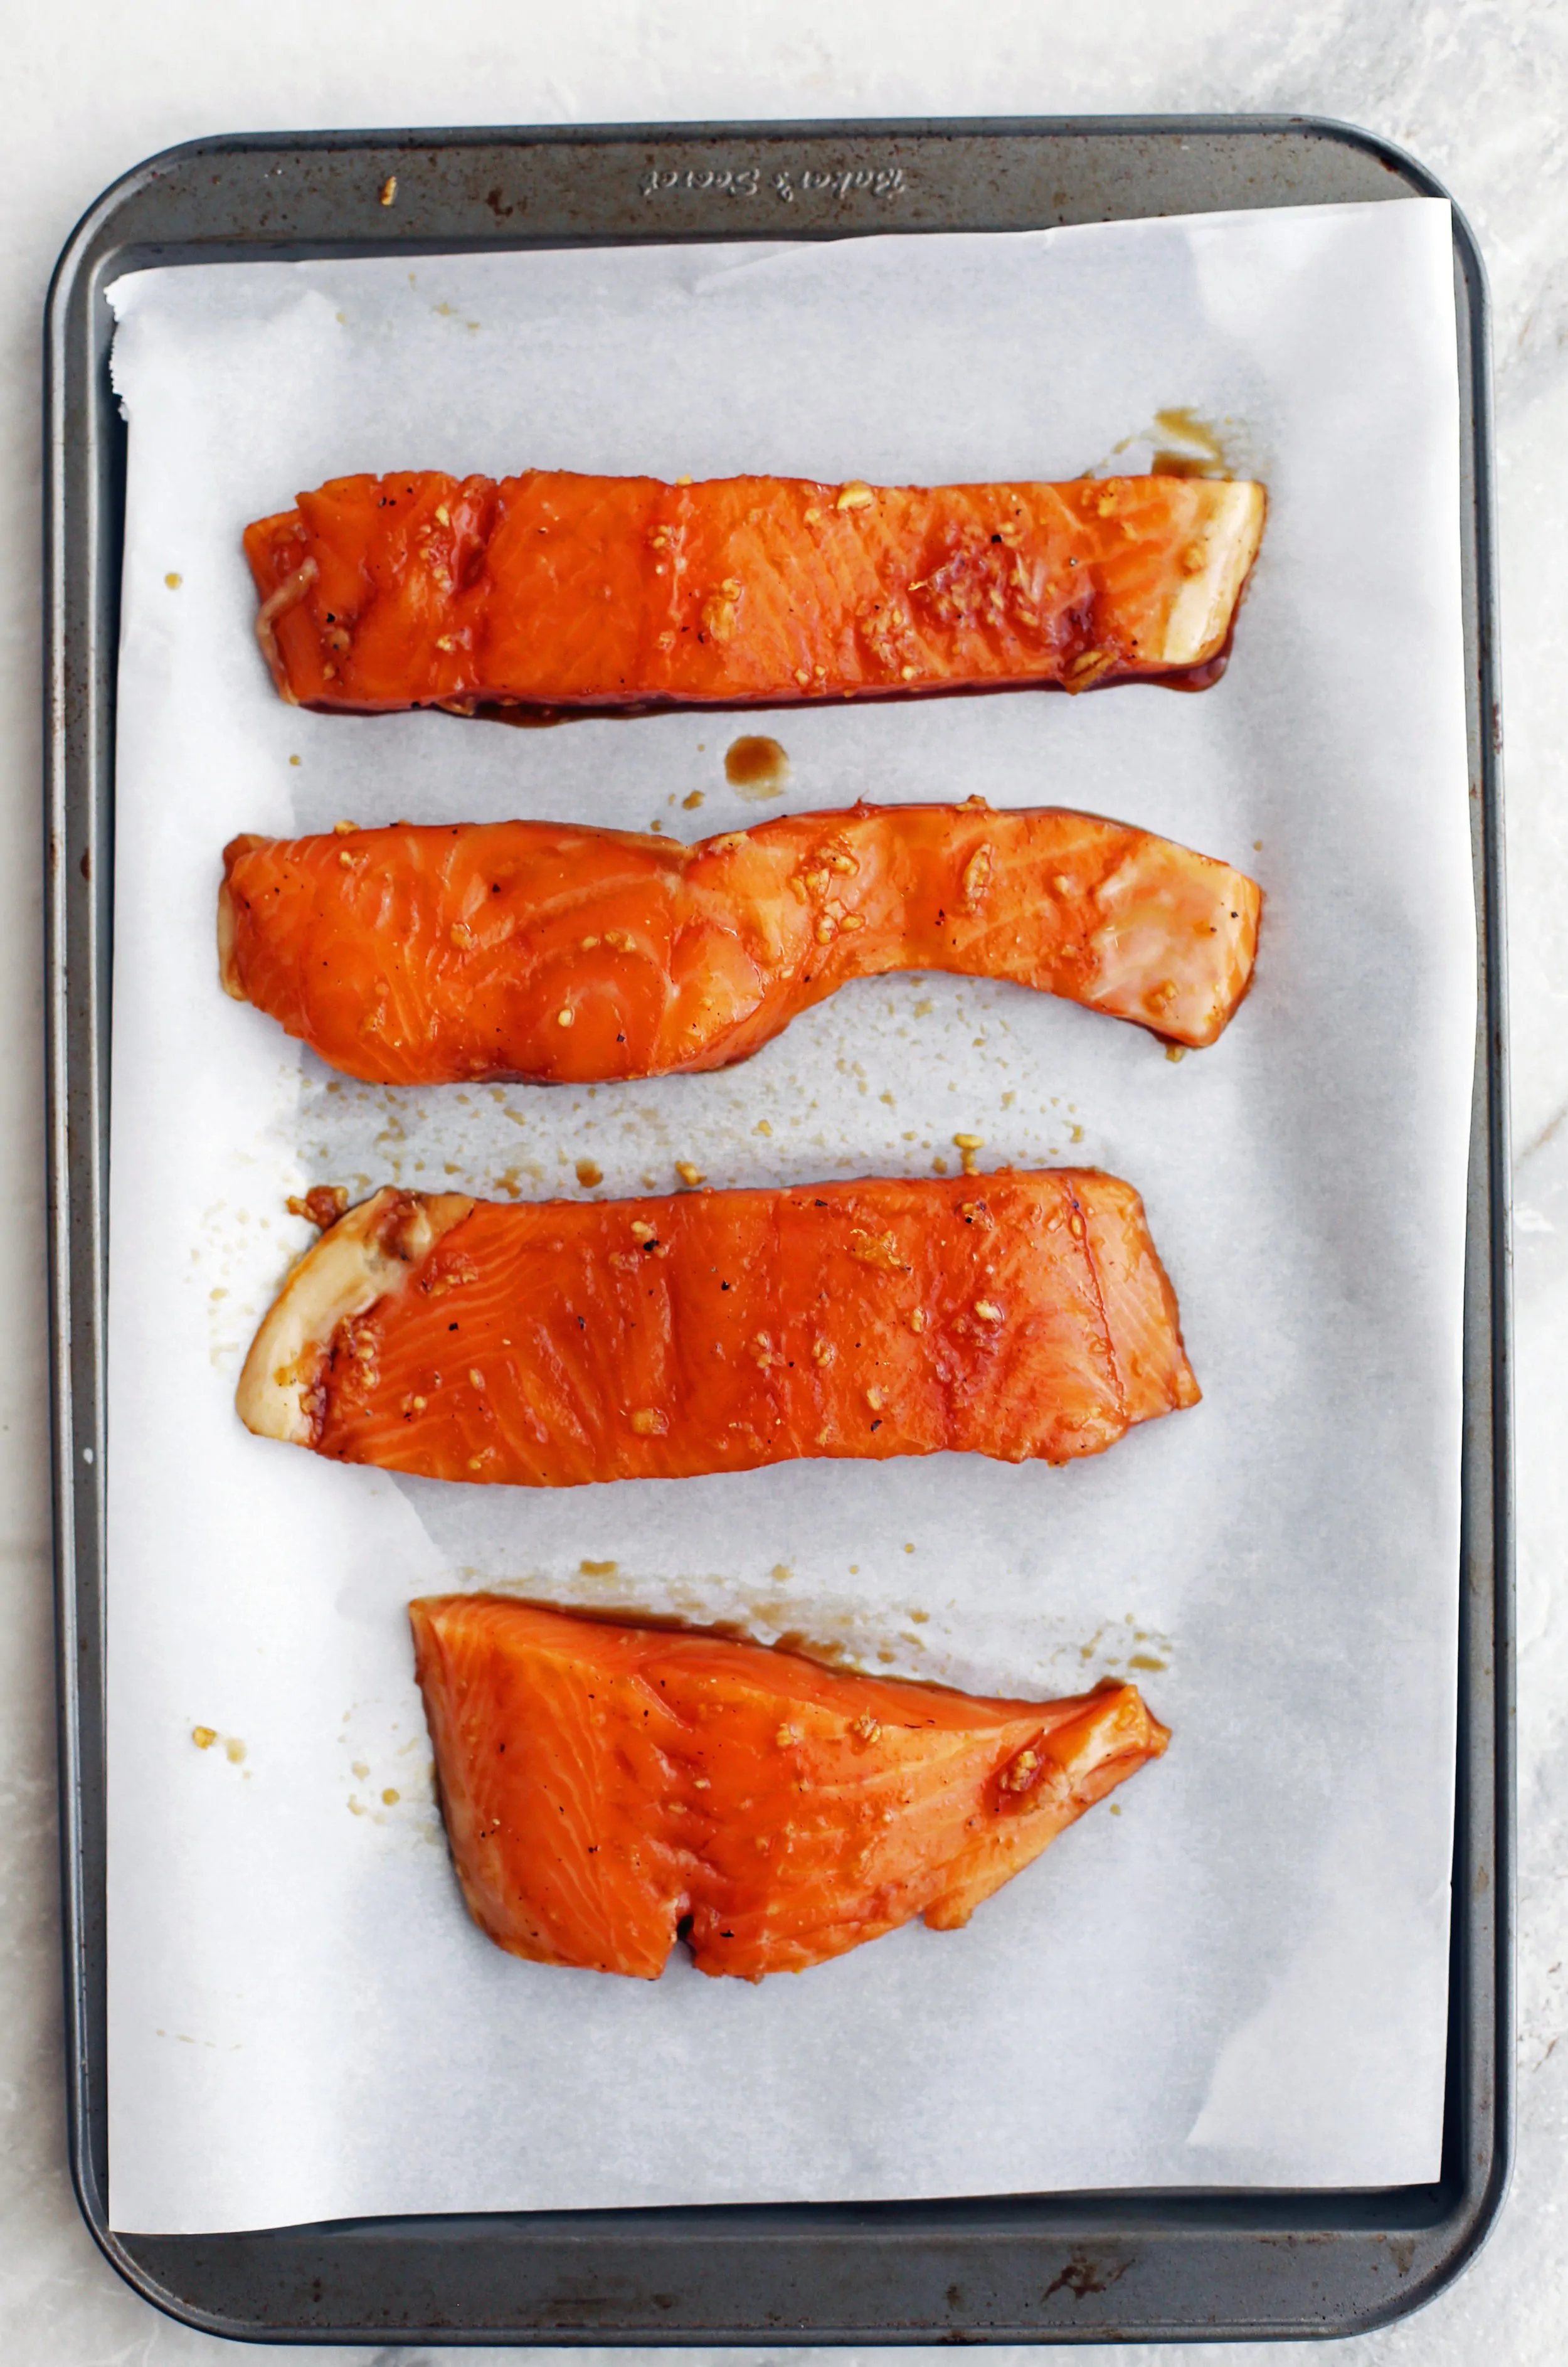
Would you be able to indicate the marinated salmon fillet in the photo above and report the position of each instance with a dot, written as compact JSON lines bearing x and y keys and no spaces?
{"x":608,"y":1789}
{"x":1015,"y":1316}
{"x":560,"y":955}
{"x":558,"y":590}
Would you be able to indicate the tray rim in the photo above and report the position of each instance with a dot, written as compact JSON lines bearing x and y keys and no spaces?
{"x":1443,"y":2223}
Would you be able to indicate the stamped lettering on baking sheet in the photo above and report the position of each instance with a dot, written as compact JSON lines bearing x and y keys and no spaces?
{"x":782,"y":185}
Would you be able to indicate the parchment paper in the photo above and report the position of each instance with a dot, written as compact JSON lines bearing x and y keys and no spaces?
{"x":1236,"y":1973}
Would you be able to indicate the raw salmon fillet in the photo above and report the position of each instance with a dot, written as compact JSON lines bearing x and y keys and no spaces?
{"x":1014,"y":1316}
{"x":552,"y":589}
{"x":558,"y":955}
{"x":607,"y":1789}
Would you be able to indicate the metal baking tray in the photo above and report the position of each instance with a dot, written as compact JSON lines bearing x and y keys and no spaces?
{"x":1121,"y":2265}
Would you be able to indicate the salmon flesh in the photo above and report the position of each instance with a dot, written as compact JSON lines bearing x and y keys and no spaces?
{"x":541,"y":951}
{"x":558,"y":590}
{"x":1019,"y":1315}
{"x":607,"y":1789}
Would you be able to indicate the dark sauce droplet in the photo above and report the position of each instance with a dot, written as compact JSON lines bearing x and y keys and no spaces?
{"x":1183,"y":464}
{"x":757,"y":768}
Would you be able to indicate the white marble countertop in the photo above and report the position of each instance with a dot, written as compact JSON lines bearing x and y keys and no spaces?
{"x":1474,"y":88}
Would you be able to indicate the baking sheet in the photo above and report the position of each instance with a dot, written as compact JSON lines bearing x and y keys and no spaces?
{"x":1240,"y":1978}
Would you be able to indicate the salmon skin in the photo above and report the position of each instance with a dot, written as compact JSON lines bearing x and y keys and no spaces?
{"x":541,"y":951}
{"x":553,"y":589}
{"x":606,"y":1788}
{"x":1014,"y":1316}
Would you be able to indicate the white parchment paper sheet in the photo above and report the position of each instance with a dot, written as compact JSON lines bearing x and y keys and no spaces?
{"x":1237,"y":1973}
